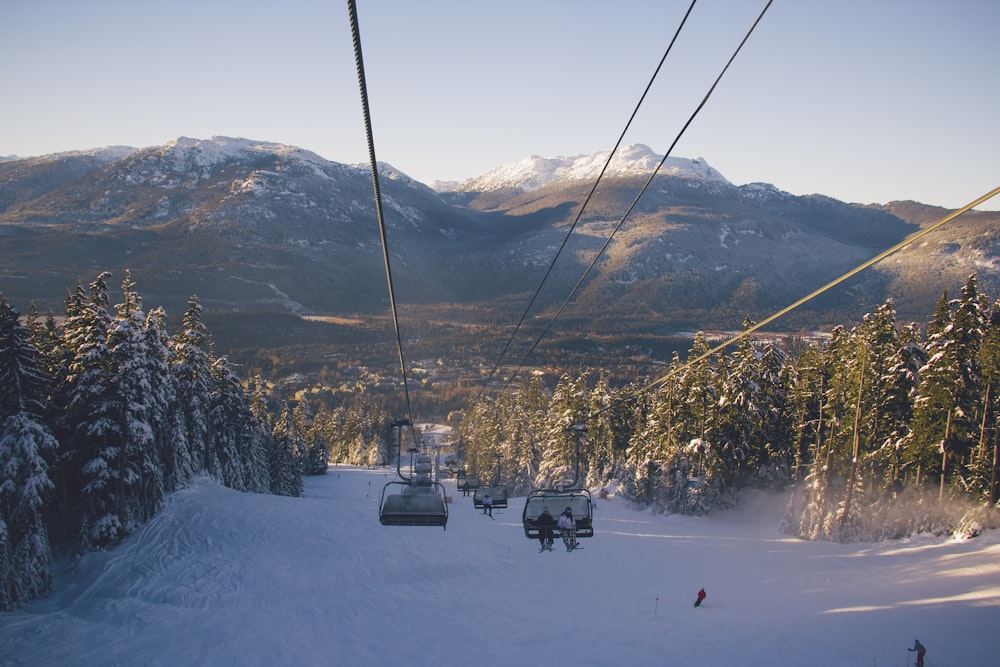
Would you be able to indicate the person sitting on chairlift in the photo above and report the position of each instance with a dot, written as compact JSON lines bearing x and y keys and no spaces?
{"x":545,"y":525}
{"x":567,"y":525}
{"x":488,"y":505}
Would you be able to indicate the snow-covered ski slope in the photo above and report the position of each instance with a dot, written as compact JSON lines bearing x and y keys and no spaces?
{"x":224,"y":578}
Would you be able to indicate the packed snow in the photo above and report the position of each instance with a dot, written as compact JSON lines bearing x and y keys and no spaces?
{"x":226,"y":578}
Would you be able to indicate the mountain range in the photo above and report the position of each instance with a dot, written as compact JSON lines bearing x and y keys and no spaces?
{"x":258,"y":227}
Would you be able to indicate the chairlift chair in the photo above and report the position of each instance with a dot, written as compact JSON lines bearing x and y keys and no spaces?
{"x":556,"y":501}
{"x":413,"y":505}
{"x":497,"y":493}
{"x":418,"y":501}
{"x":470,"y":483}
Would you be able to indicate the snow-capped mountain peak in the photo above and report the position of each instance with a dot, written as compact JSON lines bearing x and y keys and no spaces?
{"x":208,"y":152}
{"x":535,"y":172}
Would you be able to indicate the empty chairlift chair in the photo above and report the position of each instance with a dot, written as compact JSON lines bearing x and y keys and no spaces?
{"x":409,"y":504}
{"x":415,"y":500}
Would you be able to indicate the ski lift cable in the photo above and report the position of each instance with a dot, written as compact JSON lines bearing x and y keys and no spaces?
{"x":359,"y":60}
{"x":787,"y":309}
{"x":583,"y":207}
{"x":642,"y":191}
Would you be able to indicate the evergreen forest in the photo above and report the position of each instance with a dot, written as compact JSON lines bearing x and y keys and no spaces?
{"x":880,"y":431}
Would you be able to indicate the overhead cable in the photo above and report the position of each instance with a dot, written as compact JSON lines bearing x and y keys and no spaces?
{"x":579,"y":214}
{"x":641,"y":191}
{"x":356,"y":33}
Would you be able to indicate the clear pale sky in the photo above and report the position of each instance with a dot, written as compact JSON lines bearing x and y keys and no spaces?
{"x":867,"y":101}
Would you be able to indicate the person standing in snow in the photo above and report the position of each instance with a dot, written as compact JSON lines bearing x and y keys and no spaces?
{"x":567,"y":525}
{"x":545,"y":524}
{"x":920,"y":650}
{"x":701,"y":596}
{"x":488,"y":505}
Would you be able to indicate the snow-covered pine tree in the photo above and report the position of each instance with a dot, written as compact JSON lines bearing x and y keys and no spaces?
{"x":526,"y":415}
{"x":568,"y":409}
{"x":226,"y":433}
{"x":485,"y":441}
{"x":971,"y":321}
{"x":238,"y":434}
{"x":608,"y":430}
{"x":258,"y":473}
{"x":894,"y":358}
{"x":984,"y":468}
{"x":283,"y":460}
{"x":368,"y":432}
{"x":825,"y":475}
{"x":774,"y":433}
{"x":944,"y":416}
{"x":739,"y":413}
{"x":191,"y":364}
{"x":25,"y":442}
{"x":92,"y":421}
{"x":166,"y":416}
{"x":317,"y":453}
{"x":140,"y":473}
{"x":698,"y":395}
{"x":651,"y":447}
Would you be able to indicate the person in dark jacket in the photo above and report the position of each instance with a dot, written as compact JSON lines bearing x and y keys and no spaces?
{"x":701,"y":597}
{"x":920,"y":650}
{"x":545,"y":524}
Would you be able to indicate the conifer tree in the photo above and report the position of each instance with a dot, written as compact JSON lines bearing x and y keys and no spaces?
{"x":826,"y":374}
{"x":191,"y":364}
{"x":92,"y":421}
{"x":259,"y":473}
{"x":25,"y":442}
{"x":526,"y":417}
{"x":773,"y":450}
{"x":698,"y":395}
{"x":739,"y":412}
{"x":653,"y":447}
{"x":971,"y":321}
{"x":559,"y":464}
{"x":944,"y":417}
{"x":140,"y":472}
{"x":227,"y":436}
{"x":283,"y":461}
{"x":167,"y":418}
{"x":895,"y":358}
{"x":984,"y":469}
{"x":608,"y":429}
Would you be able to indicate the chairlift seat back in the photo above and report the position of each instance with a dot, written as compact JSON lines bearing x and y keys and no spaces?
{"x":413,"y":506}
{"x":579,"y":501}
{"x":497,"y":493}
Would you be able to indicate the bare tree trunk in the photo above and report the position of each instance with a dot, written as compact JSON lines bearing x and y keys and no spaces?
{"x":857,"y":447}
{"x":993,"y":468}
{"x":944,"y":456}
